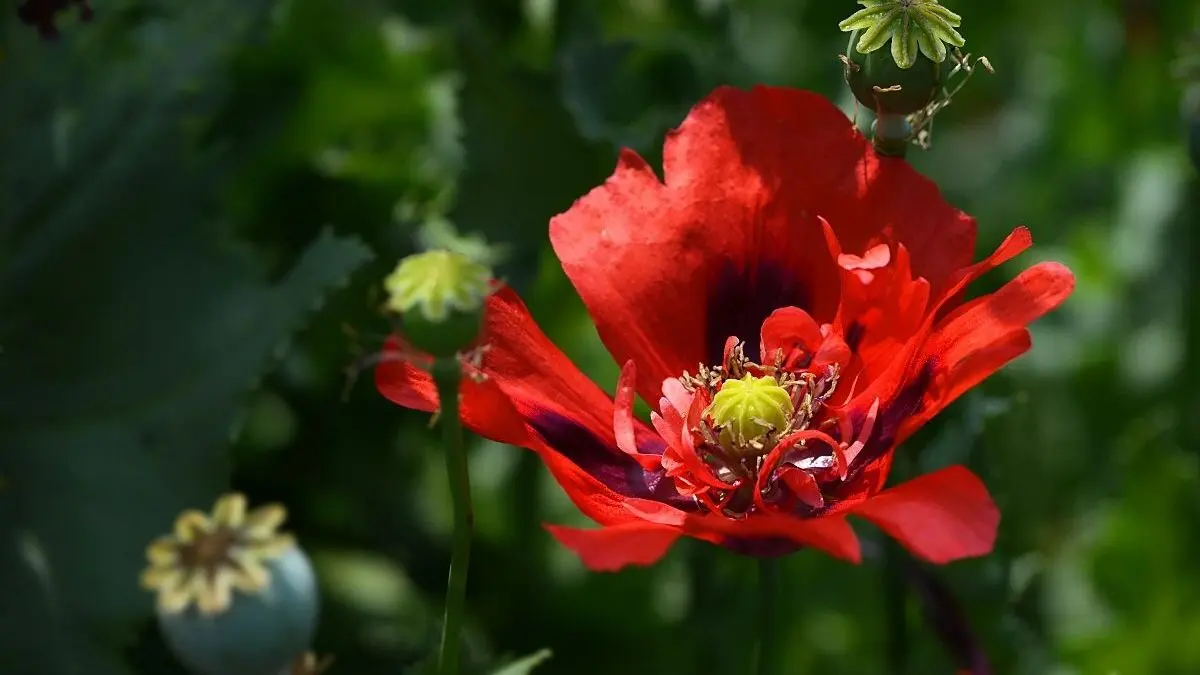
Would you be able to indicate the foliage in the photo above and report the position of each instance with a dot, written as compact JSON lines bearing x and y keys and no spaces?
{"x":188,"y":183}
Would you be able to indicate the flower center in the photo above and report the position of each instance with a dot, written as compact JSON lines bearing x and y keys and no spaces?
{"x":210,"y":550}
{"x":748,"y":410}
{"x":767,"y":436}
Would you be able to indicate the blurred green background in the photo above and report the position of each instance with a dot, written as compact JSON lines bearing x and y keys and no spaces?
{"x":198,"y":200}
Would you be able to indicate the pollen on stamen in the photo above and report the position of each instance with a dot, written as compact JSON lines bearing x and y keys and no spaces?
{"x":759,"y":431}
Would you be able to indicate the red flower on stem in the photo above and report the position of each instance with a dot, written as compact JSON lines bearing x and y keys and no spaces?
{"x":790,"y":304}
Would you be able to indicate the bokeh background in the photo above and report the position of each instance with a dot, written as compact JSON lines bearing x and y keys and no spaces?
{"x":198,"y":200}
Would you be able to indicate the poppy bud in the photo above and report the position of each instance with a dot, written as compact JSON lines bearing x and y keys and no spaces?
{"x":439,"y":296}
{"x":234,"y":596}
{"x":883,"y":86}
{"x":749,"y":408}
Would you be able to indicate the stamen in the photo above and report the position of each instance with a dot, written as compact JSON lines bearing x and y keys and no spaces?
{"x":745,"y":437}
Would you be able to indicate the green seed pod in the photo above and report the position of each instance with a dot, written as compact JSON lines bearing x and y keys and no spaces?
{"x":886,"y":88}
{"x":259,"y":634}
{"x":439,"y":296}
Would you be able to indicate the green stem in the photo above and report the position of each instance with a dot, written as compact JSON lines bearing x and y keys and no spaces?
{"x":770,"y":621}
{"x":895,"y":598}
{"x":447,"y":374}
{"x":892,"y":135}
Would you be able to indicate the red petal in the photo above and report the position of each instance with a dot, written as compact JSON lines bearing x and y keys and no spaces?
{"x":981,"y":322}
{"x":608,"y":549}
{"x":982,"y":336}
{"x":484,"y":407}
{"x":802,"y":158}
{"x":747,"y":176}
{"x":941,"y":517}
{"x":788,"y":329}
{"x":641,"y":285}
{"x":803,"y":485}
{"x":530,"y":371}
{"x":904,"y":364}
{"x":624,"y":425}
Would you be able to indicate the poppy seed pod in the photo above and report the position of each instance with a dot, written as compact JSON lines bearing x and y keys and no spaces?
{"x":259,"y":634}
{"x":234,"y":596}
{"x":439,"y":297}
{"x":886,"y":88}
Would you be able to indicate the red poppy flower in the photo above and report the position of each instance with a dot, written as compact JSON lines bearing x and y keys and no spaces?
{"x":783,"y":260}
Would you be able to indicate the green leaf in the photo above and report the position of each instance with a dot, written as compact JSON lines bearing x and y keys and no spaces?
{"x":130,"y":331}
{"x":628,"y":91}
{"x":525,"y":665}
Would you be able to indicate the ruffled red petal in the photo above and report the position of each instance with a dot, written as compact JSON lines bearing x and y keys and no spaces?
{"x":940,"y":517}
{"x":903,"y":387}
{"x":669,"y":269}
{"x":983,"y":335}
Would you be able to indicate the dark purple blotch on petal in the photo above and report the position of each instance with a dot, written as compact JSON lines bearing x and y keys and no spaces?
{"x":740,"y":300}
{"x":854,"y":335}
{"x":616,"y":470}
{"x":889,"y":419}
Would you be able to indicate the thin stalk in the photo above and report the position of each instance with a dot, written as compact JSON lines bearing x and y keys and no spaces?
{"x":895,"y":583}
{"x":895,"y":598}
{"x":447,"y":375}
{"x":769,"y":654}
{"x":892,"y":135}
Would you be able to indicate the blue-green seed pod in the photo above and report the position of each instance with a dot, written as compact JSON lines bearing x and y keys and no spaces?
{"x":260,"y":633}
